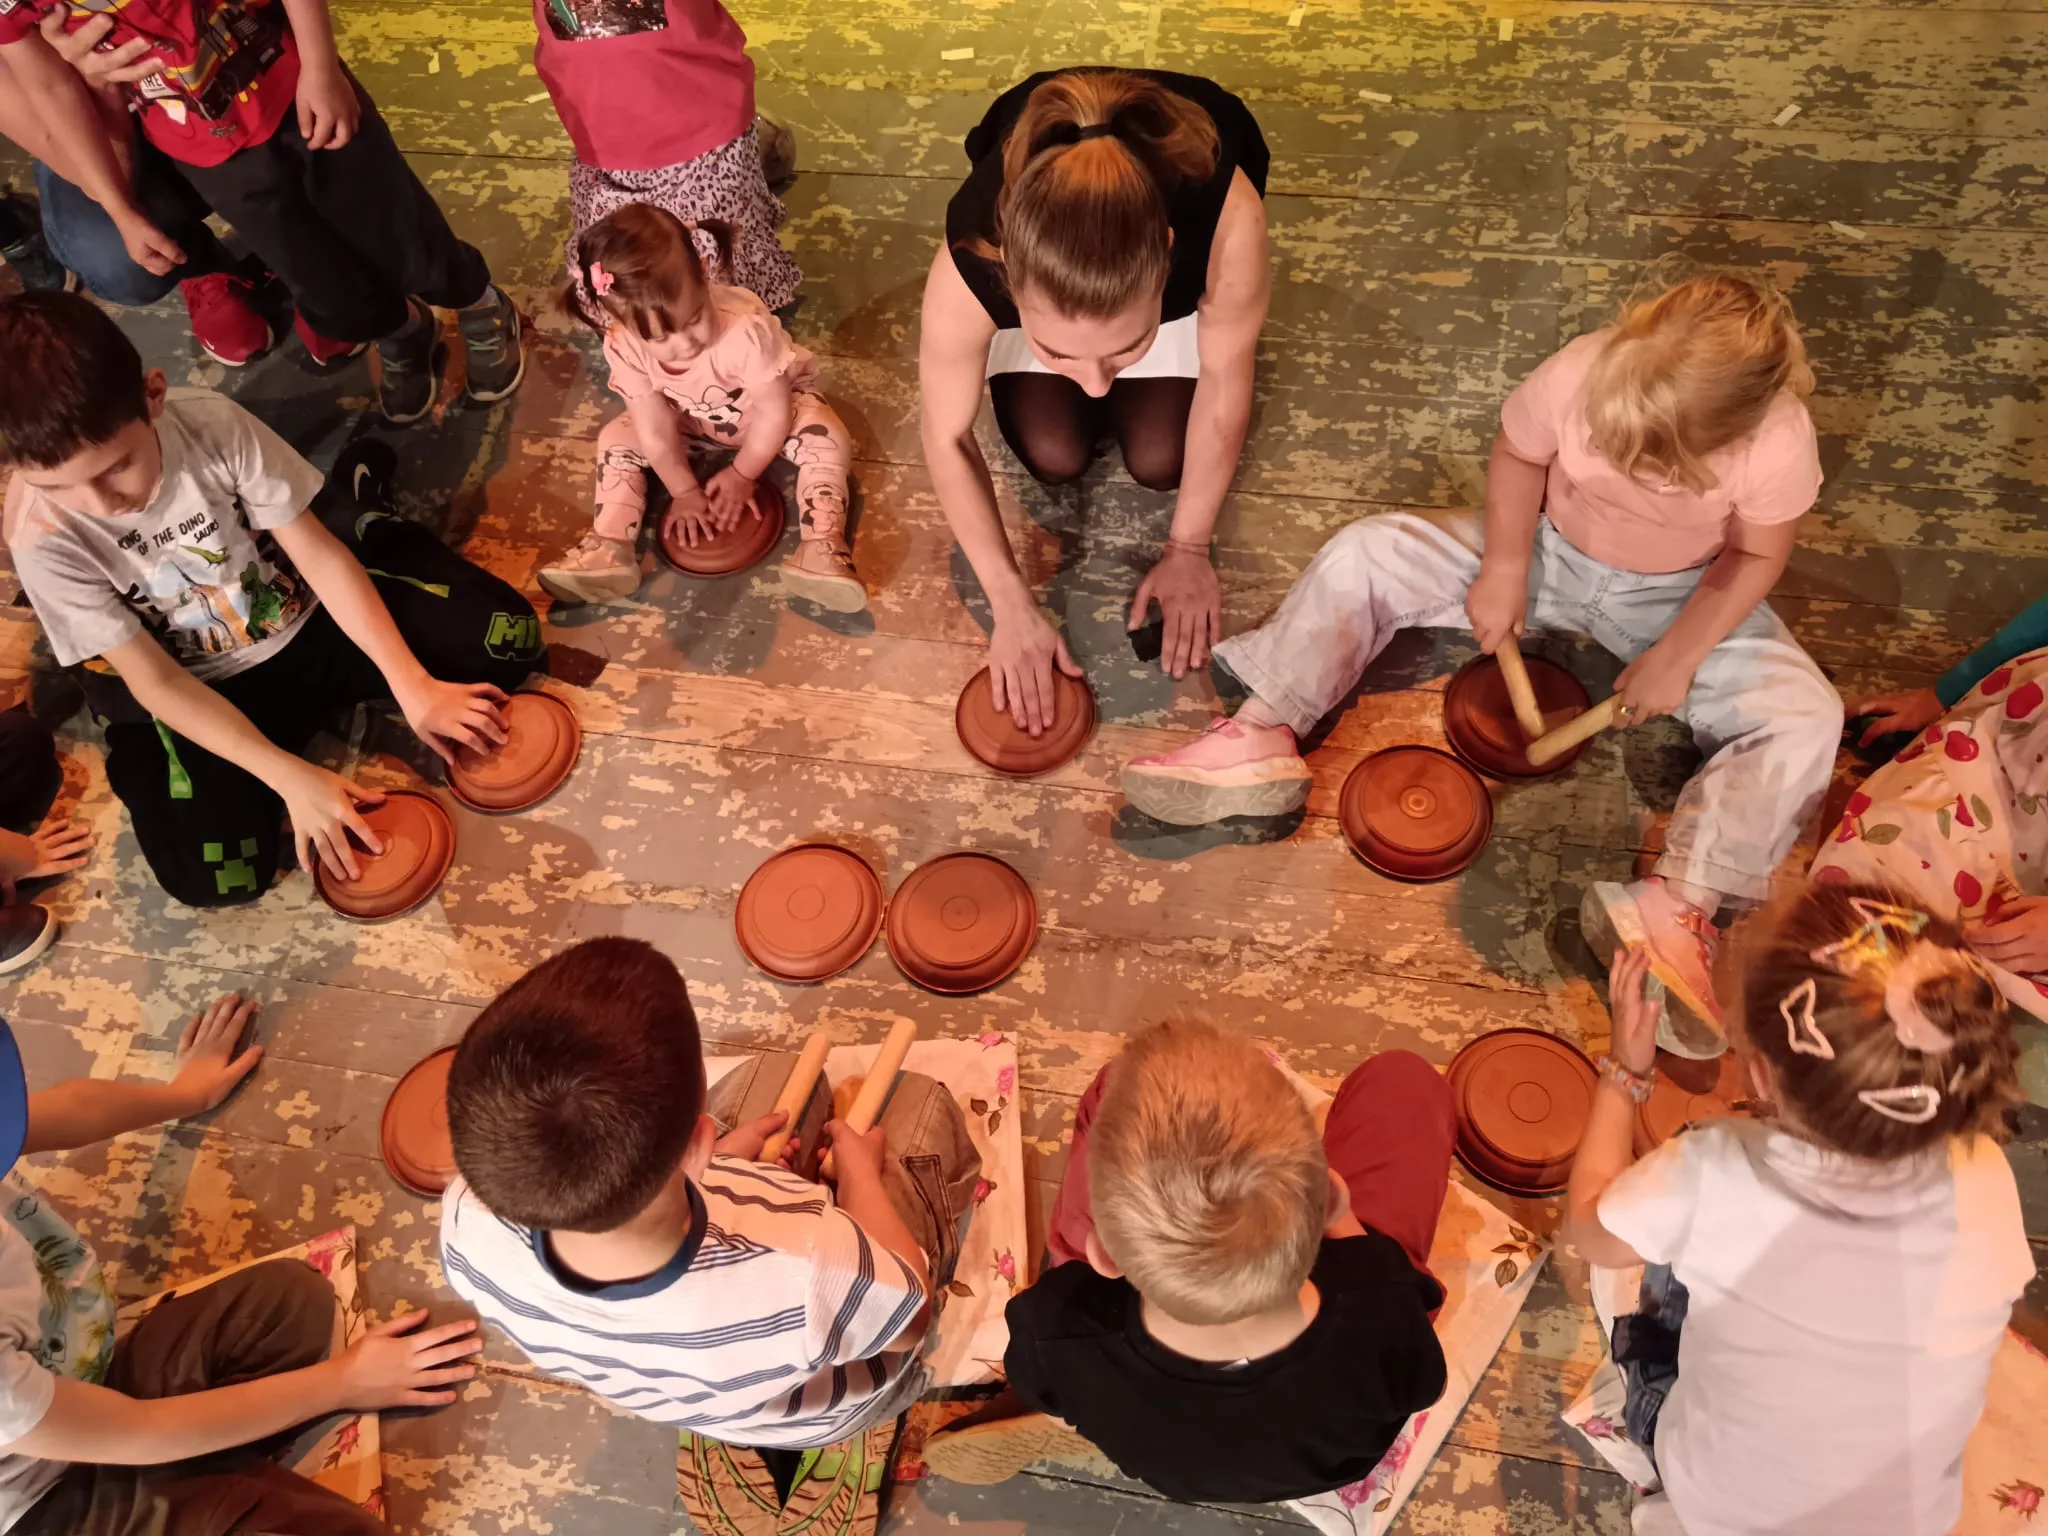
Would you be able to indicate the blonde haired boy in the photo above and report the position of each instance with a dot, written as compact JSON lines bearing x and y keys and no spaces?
{"x":1237,"y":1308}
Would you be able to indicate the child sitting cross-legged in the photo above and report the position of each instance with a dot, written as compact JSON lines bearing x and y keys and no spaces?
{"x":1826,"y":1284}
{"x":1239,"y":1308}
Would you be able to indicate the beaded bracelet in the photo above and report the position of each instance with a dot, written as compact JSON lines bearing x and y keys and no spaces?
{"x":1636,"y":1086}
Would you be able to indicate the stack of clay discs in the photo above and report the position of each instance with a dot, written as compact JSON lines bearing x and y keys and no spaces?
{"x":414,"y":1133}
{"x":995,"y":739}
{"x":1522,"y":1100}
{"x":542,"y":740}
{"x":736,"y":549}
{"x":1687,"y":1092}
{"x":808,"y":913}
{"x":419,"y":845}
{"x":961,"y":923}
{"x":1479,"y":719}
{"x":1415,"y":813}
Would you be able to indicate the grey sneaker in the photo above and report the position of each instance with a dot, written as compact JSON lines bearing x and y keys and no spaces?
{"x":405,"y":372}
{"x":497,"y":355}
{"x":23,"y":248}
{"x":26,"y":930}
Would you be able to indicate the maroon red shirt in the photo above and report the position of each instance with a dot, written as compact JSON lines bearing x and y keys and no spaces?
{"x":644,"y":84}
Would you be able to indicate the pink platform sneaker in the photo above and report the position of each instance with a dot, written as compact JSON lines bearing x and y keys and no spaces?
{"x":1683,"y":944}
{"x":1231,"y":769}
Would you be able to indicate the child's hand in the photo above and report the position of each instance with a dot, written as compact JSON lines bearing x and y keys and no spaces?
{"x":856,"y":1155}
{"x":746,"y":1140}
{"x":208,"y":1065}
{"x":451,"y":716}
{"x":692,"y":516}
{"x":1655,"y":683}
{"x":395,"y":1367}
{"x":731,"y":495}
{"x":55,"y":848}
{"x":328,"y":109}
{"x":1496,"y":605}
{"x":322,"y":807}
{"x":1888,"y":713}
{"x":1635,"y":1016}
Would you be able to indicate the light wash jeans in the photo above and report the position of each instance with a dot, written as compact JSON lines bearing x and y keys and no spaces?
{"x":1767,"y":720}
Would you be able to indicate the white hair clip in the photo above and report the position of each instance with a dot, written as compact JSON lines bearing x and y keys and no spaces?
{"x":1917,"y":1032}
{"x":1909,"y":1106}
{"x":1801,"y":1033}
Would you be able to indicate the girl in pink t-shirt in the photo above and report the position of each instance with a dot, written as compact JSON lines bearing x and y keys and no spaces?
{"x":1644,"y":490}
{"x":702,"y":367}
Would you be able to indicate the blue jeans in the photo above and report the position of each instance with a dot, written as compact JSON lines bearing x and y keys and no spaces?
{"x":82,"y":236}
{"x":1645,"y":1346}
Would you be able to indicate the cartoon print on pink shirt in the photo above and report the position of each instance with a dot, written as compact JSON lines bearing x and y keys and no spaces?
{"x":719,"y":409}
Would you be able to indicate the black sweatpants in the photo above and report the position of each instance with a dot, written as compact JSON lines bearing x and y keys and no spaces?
{"x":212,"y":831}
{"x":30,"y":774}
{"x":351,"y":231}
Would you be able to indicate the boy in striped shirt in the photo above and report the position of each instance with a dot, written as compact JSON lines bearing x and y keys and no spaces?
{"x":604,"y":1226}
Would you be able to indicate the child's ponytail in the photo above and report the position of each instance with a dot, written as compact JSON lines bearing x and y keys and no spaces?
{"x":641,"y":266}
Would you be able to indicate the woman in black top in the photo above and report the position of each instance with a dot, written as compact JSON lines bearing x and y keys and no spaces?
{"x":1105,"y":269}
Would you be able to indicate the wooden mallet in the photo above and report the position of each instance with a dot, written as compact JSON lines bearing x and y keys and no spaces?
{"x":796,"y":1093}
{"x":1520,"y":693}
{"x":874,"y":1089}
{"x":1575,"y":730}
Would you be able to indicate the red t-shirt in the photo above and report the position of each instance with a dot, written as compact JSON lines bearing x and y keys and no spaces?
{"x":231,"y":69}
{"x":643,"y":84}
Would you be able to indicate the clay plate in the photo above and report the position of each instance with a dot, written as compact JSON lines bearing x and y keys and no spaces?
{"x":1480,"y":720}
{"x":419,"y":845}
{"x":414,"y":1134}
{"x":961,"y":923}
{"x":992,"y":736}
{"x":1522,"y":1099}
{"x":1688,"y":1091}
{"x":1415,"y":813}
{"x":727,"y":554}
{"x":808,"y":913}
{"x":542,"y":740}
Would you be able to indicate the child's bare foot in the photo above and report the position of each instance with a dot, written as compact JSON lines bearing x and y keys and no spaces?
{"x":1232,"y":769}
{"x":1682,"y":944}
{"x":823,"y":571}
{"x":597,"y":570}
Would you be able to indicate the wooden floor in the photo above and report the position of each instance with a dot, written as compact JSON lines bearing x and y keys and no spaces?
{"x":1449,"y":205}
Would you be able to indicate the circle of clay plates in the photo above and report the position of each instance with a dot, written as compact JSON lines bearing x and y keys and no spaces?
{"x":419,"y":845}
{"x":808,"y":913}
{"x":961,"y":923}
{"x":726,"y":554}
{"x":992,"y":736}
{"x":1415,"y":813}
{"x":414,"y":1132}
{"x":542,"y":740}
{"x":1480,"y":723}
{"x":1688,"y":1091}
{"x":1522,"y":1099}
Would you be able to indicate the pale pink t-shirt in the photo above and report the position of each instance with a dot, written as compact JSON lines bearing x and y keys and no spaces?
{"x":1771,"y":476}
{"x":750,"y":354}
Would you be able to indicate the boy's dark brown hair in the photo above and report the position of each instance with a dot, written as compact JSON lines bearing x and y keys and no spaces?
{"x":574,"y":1093}
{"x":1884,"y":1033}
{"x":70,"y":379}
{"x":639,"y":266}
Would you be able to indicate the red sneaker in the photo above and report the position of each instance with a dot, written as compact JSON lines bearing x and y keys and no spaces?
{"x":224,"y":323}
{"x":322,"y":349}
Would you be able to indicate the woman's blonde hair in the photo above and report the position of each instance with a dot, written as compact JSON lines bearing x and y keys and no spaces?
{"x":1689,"y":371}
{"x":1082,"y":221}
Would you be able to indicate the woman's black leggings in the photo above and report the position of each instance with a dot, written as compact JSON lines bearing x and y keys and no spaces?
{"x":1053,"y":425}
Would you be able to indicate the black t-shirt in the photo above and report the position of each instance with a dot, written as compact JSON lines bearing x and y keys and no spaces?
{"x":1193,"y":208}
{"x":1308,"y":1418}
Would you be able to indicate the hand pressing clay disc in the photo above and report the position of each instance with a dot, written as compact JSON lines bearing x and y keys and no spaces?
{"x":1688,"y":1091}
{"x":809,"y":912}
{"x":1479,"y":719}
{"x":728,"y":553}
{"x":1415,"y":813}
{"x":419,"y":845}
{"x":414,"y":1134}
{"x":961,"y":923}
{"x":542,"y":740}
{"x":992,"y":736}
{"x":1522,"y":1099}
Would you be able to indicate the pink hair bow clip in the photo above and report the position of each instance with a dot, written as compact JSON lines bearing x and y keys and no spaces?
{"x":600,"y":280}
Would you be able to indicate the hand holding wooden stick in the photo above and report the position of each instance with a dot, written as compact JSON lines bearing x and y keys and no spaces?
{"x":796,"y":1093}
{"x":874,"y":1089}
{"x":1508,"y":654}
{"x":1560,"y":741}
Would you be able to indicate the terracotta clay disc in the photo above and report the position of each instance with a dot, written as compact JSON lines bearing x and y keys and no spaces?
{"x":809,"y":912}
{"x":1522,"y":1099}
{"x":727,"y":554}
{"x":961,"y":923}
{"x":992,"y":736}
{"x":419,"y":845}
{"x":1415,"y":813}
{"x":1480,"y":720}
{"x":542,"y":740}
{"x":415,"y":1129}
{"x":1689,"y":1091}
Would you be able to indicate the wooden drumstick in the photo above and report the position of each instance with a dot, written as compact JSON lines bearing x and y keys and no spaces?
{"x":1572,"y":732}
{"x":796,"y":1093}
{"x":874,"y":1090}
{"x":1520,"y":692}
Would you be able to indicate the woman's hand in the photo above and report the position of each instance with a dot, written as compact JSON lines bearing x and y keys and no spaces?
{"x":1655,"y":683}
{"x":1890,"y":713}
{"x":209,"y":1063}
{"x":396,"y":1366}
{"x":731,"y":495}
{"x":322,"y":807}
{"x":1635,"y":1016}
{"x":451,"y":716}
{"x":1022,"y":651}
{"x":1190,"y":602}
{"x":2018,"y":938}
{"x":328,"y":109}
{"x":1496,"y":604}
